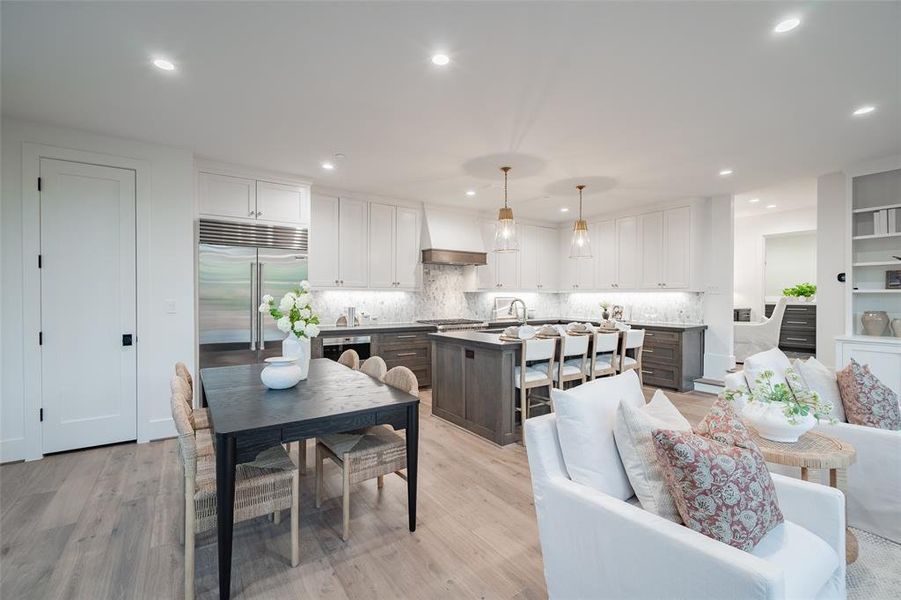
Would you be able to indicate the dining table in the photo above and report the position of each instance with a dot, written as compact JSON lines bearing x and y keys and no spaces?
{"x":247,"y":418}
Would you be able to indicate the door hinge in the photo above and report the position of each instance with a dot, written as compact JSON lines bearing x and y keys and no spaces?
{"x":40,"y":338}
{"x":39,"y":184}
{"x":40,"y":261}
{"x":42,"y":414}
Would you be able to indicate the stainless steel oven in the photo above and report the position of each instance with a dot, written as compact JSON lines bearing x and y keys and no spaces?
{"x":333,"y":347}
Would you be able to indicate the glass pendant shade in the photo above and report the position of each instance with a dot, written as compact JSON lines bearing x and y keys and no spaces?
{"x":580,"y":247}
{"x":506,"y":238}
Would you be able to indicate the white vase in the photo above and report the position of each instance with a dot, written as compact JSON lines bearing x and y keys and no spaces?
{"x":771,"y":423}
{"x":298,"y":348}
{"x":281,"y":372}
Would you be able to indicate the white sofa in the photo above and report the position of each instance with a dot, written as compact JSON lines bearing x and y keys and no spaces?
{"x":598,"y":546}
{"x":874,"y":480}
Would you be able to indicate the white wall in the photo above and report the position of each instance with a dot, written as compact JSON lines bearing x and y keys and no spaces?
{"x":790,"y":259}
{"x":162,"y":338}
{"x":718,"y":265}
{"x":749,"y":252}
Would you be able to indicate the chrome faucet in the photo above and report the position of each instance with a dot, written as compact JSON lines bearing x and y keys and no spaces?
{"x":525,"y":311}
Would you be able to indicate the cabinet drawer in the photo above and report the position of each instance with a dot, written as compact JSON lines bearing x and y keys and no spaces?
{"x":662,"y":376}
{"x":660,"y":354}
{"x":657,"y":336}
{"x":404,"y":355}
{"x":798,"y":340}
{"x":403,"y":339}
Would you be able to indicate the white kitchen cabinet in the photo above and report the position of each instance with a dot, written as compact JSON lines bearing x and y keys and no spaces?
{"x":626,"y":253}
{"x":283,"y":204}
{"x":226,"y":196}
{"x":548,"y":265}
{"x":577,"y":273}
{"x":502,"y":270}
{"x":603,"y":248}
{"x":530,"y":247}
{"x":650,"y":233}
{"x":324,"y":246}
{"x":353,"y":242}
{"x":677,"y":248}
{"x":393,"y":246}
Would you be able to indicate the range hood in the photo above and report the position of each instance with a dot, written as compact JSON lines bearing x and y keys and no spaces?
{"x":451,"y":238}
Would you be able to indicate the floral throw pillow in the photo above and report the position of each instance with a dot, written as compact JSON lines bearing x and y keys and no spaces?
{"x":723,"y":425}
{"x":866,"y":400}
{"x":724,"y":492}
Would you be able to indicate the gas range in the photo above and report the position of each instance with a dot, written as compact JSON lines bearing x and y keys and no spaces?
{"x":455,"y":324}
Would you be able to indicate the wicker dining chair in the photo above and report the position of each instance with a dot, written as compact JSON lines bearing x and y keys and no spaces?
{"x":263,"y":487}
{"x":374,"y":366}
{"x":350,"y":359}
{"x":365,"y":454}
{"x":199,"y":416}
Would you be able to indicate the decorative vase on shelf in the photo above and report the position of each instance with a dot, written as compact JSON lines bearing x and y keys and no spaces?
{"x":605,"y":314}
{"x":299,"y":349}
{"x":896,"y":327}
{"x":771,"y":423}
{"x":281,"y":372}
{"x":874,"y":322}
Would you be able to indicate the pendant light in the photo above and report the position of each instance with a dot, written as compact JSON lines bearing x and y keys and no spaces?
{"x":581,"y":245}
{"x":505,"y":235}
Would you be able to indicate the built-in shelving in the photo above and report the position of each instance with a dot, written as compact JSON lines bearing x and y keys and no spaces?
{"x":875,"y":208}
{"x":876,"y":236}
{"x":878,"y":263}
{"x":876,"y":291}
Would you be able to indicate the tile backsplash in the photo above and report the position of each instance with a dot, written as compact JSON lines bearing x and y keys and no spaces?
{"x":442,"y":296}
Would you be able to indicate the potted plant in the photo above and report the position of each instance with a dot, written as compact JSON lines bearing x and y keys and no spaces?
{"x":775,"y":411}
{"x":295,"y":317}
{"x":802,"y":291}
{"x":605,"y":310}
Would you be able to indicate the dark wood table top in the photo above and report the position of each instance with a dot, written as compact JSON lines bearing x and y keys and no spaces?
{"x":238,"y":400}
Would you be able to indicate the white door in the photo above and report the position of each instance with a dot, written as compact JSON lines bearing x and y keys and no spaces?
{"x":381,"y":246}
{"x":487,"y":273}
{"x":280,"y":203}
{"x":650,"y":228}
{"x":224,"y":196}
{"x":407,"y":247}
{"x":353,"y":238}
{"x":676,"y":247}
{"x":88,"y":367}
{"x":626,"y":250}
{"x":324,"y":241}
{"x":530,"y":248}
{"x":603,"y":248}
{"x":548,"y":260}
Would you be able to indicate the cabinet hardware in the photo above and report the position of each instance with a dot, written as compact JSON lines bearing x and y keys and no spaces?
{"x":342,"y":282}
{"x":404,"y":337}
{"x":647,"y":334}
{"x":39,"y":189}
{"x":796,"y":339}
{"x":251,"y":213}
{"x":797,"y":322}
{"x":648,"y":350}
{"x":648,"y":372}
{"x":41,"y":414}
{"x":259,"y":213}
{"x":407,"y":353}
{"x":336,"y":282}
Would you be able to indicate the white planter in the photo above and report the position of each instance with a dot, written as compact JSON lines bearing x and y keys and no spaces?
{"x":298,"y":348}
{"x":281,"y":372}
{"x":771,"y":423}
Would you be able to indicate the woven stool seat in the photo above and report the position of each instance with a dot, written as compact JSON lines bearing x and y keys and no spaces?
{"x":369,"y":452}
{"x":201,"y":418}
{"x":204,"y":441}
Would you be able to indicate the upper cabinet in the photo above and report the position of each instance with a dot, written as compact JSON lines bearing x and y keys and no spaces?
{"x":339,"y":242}
{"x":226,"y":196}
{"x":626,"y":253}
{"x":502,"y":270}
{"x":666,"y":248}
{"x":650,"y":230}
{"x":393,"y":246}
{"x":577,"y":273}
{"x":538,"y":263}
{"x":603,"y":248}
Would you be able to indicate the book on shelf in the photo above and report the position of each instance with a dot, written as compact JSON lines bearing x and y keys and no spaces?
{"x":893,"y":221}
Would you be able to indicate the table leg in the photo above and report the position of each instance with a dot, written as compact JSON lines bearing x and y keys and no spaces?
{"x":838,"y":478}
{"x":412,"y":461}
{"x":225,"y":508}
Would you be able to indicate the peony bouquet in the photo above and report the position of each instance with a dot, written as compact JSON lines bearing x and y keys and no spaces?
{"x":293,"y":313}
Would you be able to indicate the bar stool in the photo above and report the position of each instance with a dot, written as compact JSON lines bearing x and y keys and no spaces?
{"x":603,"y":354}
{"x":634,"y":341}
{"x":573,"y":359}
{"x":526,"y":378}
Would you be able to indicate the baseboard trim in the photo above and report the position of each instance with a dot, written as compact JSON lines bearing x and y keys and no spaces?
{"x":157,"y":429}
{"x":12,"y":450}
{"x":709,"y":386}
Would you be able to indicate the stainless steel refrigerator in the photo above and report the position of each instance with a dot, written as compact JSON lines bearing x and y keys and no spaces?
{"x":237,"y":264}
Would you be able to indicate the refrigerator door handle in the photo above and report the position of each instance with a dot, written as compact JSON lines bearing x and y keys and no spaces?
{"x":254,"y":313}
{"x":260,"y":335}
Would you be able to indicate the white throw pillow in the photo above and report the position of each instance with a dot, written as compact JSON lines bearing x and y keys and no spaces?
{"x":585,"y":418}
{"x":821,"y":380}
{"x":773,"y":360}
{"x":633,"y":431}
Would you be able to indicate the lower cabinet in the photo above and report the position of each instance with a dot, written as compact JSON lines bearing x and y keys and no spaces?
{"x":799,"y":327}
{"x":672,"y":358}
{"x":407,"y":349}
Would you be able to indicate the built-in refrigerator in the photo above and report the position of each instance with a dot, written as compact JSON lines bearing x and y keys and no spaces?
{"x":237,"y":264}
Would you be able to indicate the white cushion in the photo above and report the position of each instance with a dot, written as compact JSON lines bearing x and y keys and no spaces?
{"x":633,"y":432}
{"x":574,"y":366}
{"x":773,"y":360}
{"x":602,"y":363}
{"x":531,"y":375}
{"x":821,"y":380}
{"x":627,"y":361}
{"x":806,"y":559}
{"x":585,"y":416}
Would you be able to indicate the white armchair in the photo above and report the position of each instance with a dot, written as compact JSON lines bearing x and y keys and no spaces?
{"x":597,"y":546}
{"x":751,"y":338}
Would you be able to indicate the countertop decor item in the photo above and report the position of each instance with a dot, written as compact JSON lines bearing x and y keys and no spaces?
{"x":874,"y":322}
{"x":281,"y":372}
{"x":896,"y":327}
{"x":506,"y":238}
{"x":893,"y":279}
{"x":802,"y":292}
{"x":295,"y":317}
{"x":605,"y":311}
{"x":580,"y":247}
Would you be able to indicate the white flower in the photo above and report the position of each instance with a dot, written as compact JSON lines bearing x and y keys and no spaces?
{"x":264,"y":308}
{"x":298,"y":326}
{"x":305,"y":313}
{"x":311,"y":330}
{"x":286,"y":303}
{"x":302,"y":301}
{"x":267,"y":298}
{"x":305,"y":285}
{"x":284,"y":324}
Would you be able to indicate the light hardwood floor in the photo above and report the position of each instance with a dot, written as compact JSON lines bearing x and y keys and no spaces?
{"x":103,"y":523}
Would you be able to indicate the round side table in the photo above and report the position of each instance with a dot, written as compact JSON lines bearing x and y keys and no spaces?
{"x":815,"y":451}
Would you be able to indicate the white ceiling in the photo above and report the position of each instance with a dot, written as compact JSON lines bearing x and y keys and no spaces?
{"x":648,"y":101}
{"x":788,"y":195}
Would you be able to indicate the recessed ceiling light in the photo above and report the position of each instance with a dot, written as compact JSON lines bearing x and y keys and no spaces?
{"x":328,"y":166}
{"x":771,"y":206}
{"x":163,"y":64}
{"x":864,"y":110}
{"x":786,"y":25}
{"x":340,"y":156}
{"x":725,"y":172}
{"x":754,"y":200}
{"x":564,"y":209}
{"x":440,"y":59}
{"x":470,"y":192}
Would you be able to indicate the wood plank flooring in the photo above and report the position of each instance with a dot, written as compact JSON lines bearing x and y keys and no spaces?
{"x":103,"y":523}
